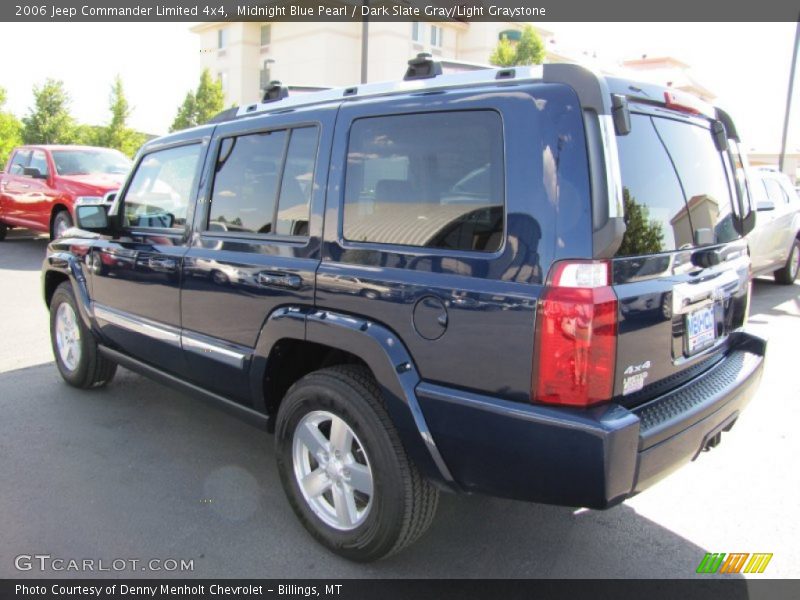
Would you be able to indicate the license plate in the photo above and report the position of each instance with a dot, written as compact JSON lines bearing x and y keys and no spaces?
{"x":700,"y":329}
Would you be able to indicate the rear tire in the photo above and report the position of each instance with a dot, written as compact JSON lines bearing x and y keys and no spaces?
{"x":61,"y":222}
{"x":388,"y":504}
{"x":787,"y":274}
{"x":74,"y":347}
{"x":3,"y":231}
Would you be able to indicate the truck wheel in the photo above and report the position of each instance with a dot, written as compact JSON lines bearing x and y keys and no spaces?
{"x":74,"y":347}
{"x":61,"y":222}
{"x":344,"y":469}
{"x":788,"y":273}
{"x":3,"y":231}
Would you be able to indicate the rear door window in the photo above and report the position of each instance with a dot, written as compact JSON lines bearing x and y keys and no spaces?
{"x":263,"y":183}
{"x":651,"y":192}
{"x":674,"y":184}
{"x":702,"y":174}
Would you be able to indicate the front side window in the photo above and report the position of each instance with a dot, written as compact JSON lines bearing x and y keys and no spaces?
{"x":159,"y":194}
{"x":19,"y":162}
{"x":433,"y":180}
{"x":262,"y":185}
{"x":90,"y":161}
{"x":774,"y":191}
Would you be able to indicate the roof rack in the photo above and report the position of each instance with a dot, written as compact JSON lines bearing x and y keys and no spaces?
{"x":423,"y":67}
{"x":466,"y":78}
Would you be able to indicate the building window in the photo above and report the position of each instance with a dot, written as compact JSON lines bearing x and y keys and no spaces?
{"x":222,"y":76}
{"x":266,"y":35}
{"x":222,"y":38}
{"x":432,"y":180}
{"x":436,"y":36}
{"x":416,"y":32}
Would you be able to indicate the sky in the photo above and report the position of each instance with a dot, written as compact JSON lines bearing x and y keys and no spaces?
{"x":745,"y":64}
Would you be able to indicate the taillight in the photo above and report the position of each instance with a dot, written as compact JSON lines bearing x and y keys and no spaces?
{"x":576,"y":336}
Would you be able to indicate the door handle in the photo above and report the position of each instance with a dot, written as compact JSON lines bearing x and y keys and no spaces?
{"x":162,"y":264}
{"x":281,"y":280}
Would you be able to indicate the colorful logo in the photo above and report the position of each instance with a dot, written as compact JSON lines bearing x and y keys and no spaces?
{"x":718,"y":563}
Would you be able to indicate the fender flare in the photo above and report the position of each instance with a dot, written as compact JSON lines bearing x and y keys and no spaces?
{"x":71,"y":266}
{"x":386,"y":356}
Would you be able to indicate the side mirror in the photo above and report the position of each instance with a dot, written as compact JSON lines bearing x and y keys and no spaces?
{"x":765,"y":205}
{"x":33,"y":172}
{"x":91,"y":217}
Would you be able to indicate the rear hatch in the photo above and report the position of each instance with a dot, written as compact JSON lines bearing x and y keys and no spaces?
{"x":681,"y":275}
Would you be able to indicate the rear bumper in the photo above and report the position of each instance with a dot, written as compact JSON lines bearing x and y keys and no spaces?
{"x":594,"y":458}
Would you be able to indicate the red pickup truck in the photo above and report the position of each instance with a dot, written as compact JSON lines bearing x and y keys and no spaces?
{"x":42,"y":184}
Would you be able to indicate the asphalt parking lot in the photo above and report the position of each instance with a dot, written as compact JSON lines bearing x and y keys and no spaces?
{"x":138,"y":471}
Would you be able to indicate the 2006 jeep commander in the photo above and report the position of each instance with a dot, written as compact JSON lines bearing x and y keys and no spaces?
{"x":525,"y":282}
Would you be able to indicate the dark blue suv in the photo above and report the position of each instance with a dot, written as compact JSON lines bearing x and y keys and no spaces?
{"x":525,"y":282}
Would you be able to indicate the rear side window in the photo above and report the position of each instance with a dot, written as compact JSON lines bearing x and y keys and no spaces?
{"x":674,"y":183}
{"x":431,"y":180}
{"x":263,"y":183}
{"x":39,"y":161}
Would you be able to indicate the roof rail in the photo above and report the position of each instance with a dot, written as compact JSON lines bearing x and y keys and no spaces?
{"x":465,"y":78}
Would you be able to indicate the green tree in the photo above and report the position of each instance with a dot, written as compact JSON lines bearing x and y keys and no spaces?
{"x":504,"y":53}
{"x":642,"y":236}
{"x":187,"y":114}
{"x":49,"y":120}
{"x":209,"y":98}
{"x":89,"y":135}
{"x":10,"y":131}
{"x":529,"y":50}
{"x":117,"y":134}
{"x":202,"y":104}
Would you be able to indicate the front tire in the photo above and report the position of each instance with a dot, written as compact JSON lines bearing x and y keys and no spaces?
{"x":787,"y":274}
{"x":344,"y":469}
{"x":61,"y":222}
{"x":3,"y":231}
{"x":77,"y":357}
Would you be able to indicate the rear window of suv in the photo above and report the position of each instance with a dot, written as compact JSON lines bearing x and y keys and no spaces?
{"x":674,"y":184}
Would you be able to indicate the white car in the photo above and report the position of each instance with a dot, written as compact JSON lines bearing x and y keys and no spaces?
{"x":775,"y":241}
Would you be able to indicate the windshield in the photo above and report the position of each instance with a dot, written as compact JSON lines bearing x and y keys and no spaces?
{"x":675,"y":187}
{"x":90,"y":161}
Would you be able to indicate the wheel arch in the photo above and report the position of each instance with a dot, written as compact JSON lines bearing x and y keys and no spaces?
{"x":324,"y":338}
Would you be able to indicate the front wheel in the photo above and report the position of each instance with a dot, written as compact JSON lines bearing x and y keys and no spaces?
{"x":787,"y":274}
{"x":61,"y":222}
{"x":77,"y":357}
{"x":344,"y":469}
{"x":3,"y":231}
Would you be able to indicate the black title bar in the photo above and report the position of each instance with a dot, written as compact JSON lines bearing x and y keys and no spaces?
{"x":397,"y":10}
